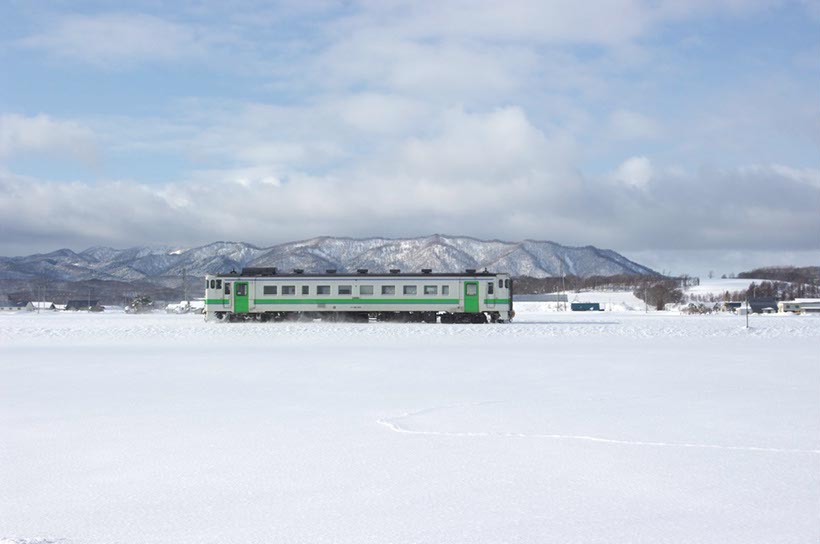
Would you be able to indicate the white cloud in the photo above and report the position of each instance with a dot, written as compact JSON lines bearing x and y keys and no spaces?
{"x":42,"y":134}
{"x":634,"y":172}
{"x":379,"y":113}
{"x":113,"y":38}
{"x":435,"y":187}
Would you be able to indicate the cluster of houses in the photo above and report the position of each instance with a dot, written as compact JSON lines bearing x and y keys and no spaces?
{"x":85,"y":305}
{"x":44,"y":306}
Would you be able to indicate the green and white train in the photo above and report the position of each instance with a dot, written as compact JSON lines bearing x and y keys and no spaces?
{"x":263,"y":294}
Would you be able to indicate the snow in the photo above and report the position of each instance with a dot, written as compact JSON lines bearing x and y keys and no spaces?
{"x":718,"y":286}
{"x":618,"y":301}
{"x":560,"y":427}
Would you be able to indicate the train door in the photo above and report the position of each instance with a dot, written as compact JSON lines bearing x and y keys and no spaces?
{"x":489,"y":300}
{"x":240,"y":297}
{"x":471,"y":297}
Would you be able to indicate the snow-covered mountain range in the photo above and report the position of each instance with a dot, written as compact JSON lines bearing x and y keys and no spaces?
{"x":438,"y":252}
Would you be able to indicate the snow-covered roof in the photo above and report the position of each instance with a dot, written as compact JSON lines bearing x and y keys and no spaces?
{"x":43,"y":305}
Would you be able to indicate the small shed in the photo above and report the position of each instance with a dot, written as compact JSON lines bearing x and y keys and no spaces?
{"x":729,"y":306}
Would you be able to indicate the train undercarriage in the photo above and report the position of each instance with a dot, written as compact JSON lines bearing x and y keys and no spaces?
{"x":363,"y":317}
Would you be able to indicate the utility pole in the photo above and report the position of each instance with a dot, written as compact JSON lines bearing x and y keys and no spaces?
{"x":563,"y":284}
{"x":185,"y":286}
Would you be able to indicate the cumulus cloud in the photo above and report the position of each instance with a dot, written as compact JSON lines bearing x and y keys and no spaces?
{"x":750,"y":208}
{"x":20,"y":134}
{"x":491,"y":174}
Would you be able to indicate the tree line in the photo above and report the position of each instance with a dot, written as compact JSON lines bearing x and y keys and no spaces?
{"x":809,"y":275}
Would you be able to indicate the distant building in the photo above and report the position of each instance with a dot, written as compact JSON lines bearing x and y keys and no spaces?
{"x":9,"y":306}
{"x":84,"y":306}
{"x":585,"y":307}
{"x":799,"y":306}
{"x":763,"y":305}
{"x":41,"y":305}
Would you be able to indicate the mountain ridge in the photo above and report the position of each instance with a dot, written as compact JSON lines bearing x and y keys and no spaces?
{"x":440,"y":252}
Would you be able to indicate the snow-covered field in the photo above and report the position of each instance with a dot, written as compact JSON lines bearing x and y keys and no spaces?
{"x":589,"y":427}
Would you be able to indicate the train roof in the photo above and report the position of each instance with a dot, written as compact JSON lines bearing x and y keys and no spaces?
{"x":362,"y":273}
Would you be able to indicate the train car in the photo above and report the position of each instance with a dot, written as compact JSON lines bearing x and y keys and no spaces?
{"x":264,"y":294}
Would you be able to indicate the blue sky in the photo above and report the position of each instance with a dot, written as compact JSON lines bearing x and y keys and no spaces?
{"x":685,"y":134}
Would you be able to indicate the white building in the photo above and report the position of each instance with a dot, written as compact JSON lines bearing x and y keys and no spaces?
{"x":799,"y":306}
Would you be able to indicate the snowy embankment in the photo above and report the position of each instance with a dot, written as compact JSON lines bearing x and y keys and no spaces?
{"x":560,"y":427}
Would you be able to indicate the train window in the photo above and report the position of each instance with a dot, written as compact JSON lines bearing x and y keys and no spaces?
{"x":219,"y":284}
{"x":365,"y":290}
{"x":445,"y":289}
{"x":288,"y":289}
{"x":305,"y":289}
{"x":213,"y":284}
{"x":323,"y":290}
{"x":345,"y":289}
{"x":388,"y":289}
{"x":269,"y":290}
{"x":242,"y":289}
{"x":490,"y":287}
{"x":431,"y":289}
{"x":500,"y":284}
{"x":507,"y":284}
{"x":227,"y":288}
{"x":410,"y":289}
{"x":472,"y":289}
{"x":206,"y":284}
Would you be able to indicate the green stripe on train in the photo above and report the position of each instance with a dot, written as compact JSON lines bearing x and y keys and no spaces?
{"x":226,"y":302}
